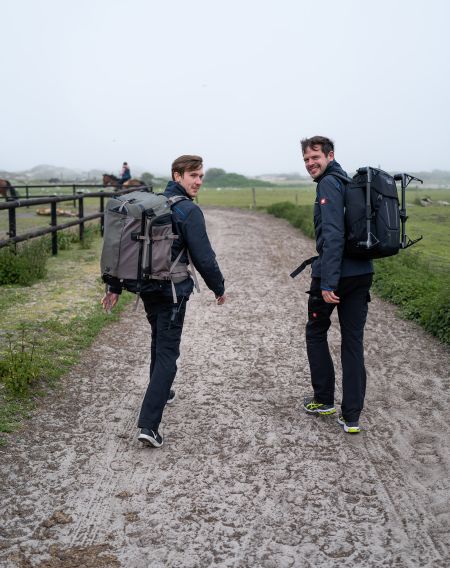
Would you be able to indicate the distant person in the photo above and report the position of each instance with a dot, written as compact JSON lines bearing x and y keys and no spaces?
{"x":166,"y":318}
{"x":125,"y":173}
{"x":337,"y":280}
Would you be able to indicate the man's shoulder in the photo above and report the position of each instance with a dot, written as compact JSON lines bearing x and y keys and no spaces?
{"x":184,"y":208}
{"x":331,"y":181}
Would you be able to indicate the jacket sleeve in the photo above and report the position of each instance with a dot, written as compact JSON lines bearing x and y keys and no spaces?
{"x":331,"y":203}
{"x":196,"y":238}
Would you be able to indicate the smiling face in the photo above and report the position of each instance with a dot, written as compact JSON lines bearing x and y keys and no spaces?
{"x":316,"y":161}
{"x":190,"y":181}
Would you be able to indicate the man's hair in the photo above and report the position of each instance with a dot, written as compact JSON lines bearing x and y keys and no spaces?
{"x":186,"y":163}
{"x":326,"y":144}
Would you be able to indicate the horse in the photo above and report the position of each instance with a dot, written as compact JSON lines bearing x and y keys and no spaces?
{"x":110,"y":180}
{"x":7,"y":190}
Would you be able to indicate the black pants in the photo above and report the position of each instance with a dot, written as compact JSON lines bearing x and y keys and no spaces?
{"x":352,"y":311}
{"x":166,"y":320}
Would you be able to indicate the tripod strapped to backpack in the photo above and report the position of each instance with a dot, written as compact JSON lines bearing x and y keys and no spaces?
{"x":405,"y":180}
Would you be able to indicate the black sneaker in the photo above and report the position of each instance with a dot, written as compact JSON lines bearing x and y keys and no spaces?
{"x":314,"y":407}
{"x":150,"y":438}
{"x":172,"y":396}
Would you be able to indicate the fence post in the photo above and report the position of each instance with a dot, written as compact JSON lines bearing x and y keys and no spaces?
{"x":53,"y":223}
{"x":253,"y":198}
{"x":12,"y":223}
{"x":296,"y":198}
{"x":74,"y":191}
{"x":102,"y":218}
{"x":81,"y":213}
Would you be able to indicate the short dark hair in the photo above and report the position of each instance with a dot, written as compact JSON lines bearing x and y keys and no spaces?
{"x":186,"y":163}
{"x":325,"y":144}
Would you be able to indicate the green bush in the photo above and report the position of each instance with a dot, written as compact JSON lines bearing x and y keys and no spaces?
{"x":90,"y":233}
{"x":300,"y":216}
{"x":25,"y":265}
{"x":65,"y":239}
{"x":406,"y":280}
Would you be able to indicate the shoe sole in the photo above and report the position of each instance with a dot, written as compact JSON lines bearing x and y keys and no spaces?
{"x":149,"y":441}
{"x":322,"y":412}
{"x":170,"y":401}
{"x":349,"y":429}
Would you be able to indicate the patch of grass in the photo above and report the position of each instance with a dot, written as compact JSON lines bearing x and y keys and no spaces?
{"x":45,"y":327}
{"x":24,"y":264}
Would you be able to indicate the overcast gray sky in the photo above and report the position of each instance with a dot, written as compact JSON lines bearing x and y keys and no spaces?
{"x":91,"y":83}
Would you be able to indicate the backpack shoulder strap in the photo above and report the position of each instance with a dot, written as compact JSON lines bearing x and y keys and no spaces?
{"x":171,"y":201}
{"x":342,"y":177}
{"x":175,"y":199}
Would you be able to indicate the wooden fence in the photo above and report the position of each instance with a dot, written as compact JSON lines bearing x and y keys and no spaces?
{"x":79,"y":197}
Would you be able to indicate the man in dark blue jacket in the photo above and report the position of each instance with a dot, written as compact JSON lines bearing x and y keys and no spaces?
{"x":337,"y":280}
{"x":166,"y":318}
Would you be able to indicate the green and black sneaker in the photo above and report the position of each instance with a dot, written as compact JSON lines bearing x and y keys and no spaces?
{"x":349,"y":427}
{"x":314,"y":407}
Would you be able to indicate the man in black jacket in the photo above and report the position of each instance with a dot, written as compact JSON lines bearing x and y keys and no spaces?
{"x":166,"y":318}
{"x":337,"y":280}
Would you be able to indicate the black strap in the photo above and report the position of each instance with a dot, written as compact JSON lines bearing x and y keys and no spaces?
{"x":302,"y":266}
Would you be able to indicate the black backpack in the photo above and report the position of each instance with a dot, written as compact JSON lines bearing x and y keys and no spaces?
{"x":375,"y":220}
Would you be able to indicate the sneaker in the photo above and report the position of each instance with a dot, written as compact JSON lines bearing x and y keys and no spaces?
{"x":172,"y":396}
{"x":314,"y":407}
{"x":150,"y":438}
{"x":349,"y":427}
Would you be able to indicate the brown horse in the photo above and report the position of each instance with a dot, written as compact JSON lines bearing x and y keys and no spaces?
{"x":7,"y":190}
{"x":110,"y":180}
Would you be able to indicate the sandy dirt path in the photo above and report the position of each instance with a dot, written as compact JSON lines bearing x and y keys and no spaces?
{"x":245,"y":477}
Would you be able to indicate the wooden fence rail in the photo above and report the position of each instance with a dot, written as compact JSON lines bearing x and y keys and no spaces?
{"x":13,"y":205}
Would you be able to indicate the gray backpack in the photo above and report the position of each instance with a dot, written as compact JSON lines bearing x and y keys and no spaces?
{"x":138,"y":238}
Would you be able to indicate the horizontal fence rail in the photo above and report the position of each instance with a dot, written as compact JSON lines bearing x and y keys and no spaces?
{"x":13,"y":204}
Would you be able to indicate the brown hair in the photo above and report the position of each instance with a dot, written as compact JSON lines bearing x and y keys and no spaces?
{"x":326,"y":144}
{"x":186,"y":163}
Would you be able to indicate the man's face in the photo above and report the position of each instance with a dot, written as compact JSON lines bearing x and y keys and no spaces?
{"x":190,"y":181}
{"x":316,"y":161}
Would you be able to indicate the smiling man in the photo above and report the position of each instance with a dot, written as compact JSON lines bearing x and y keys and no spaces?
{"x":337,"y":280}
{"x":166,"y":318}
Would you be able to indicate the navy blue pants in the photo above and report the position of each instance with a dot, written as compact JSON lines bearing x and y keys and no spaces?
{"x":352,"y":312}
{"x":166,"y":321}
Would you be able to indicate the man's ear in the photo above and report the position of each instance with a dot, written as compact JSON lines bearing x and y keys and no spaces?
{"x":177,"y":176}
{"x":331,"y":155}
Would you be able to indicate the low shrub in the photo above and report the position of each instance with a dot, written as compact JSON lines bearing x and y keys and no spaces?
{"x":300,"y":216}
{"x":25,"y":264}
{"x":19,"y":366}
{"x":406,"y":281}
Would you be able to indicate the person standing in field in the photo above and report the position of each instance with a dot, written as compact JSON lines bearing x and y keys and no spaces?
{"x":337,"y":281}
{"x":166,"y":318}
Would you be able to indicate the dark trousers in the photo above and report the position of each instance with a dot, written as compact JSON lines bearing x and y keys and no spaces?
{"x":166,"y":320}
{"x":352,"y":312}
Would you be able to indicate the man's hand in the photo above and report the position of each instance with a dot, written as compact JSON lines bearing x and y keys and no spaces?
{"x":330,"y":297}
{"x":109,"y":300}
{"x":221,"y":299}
